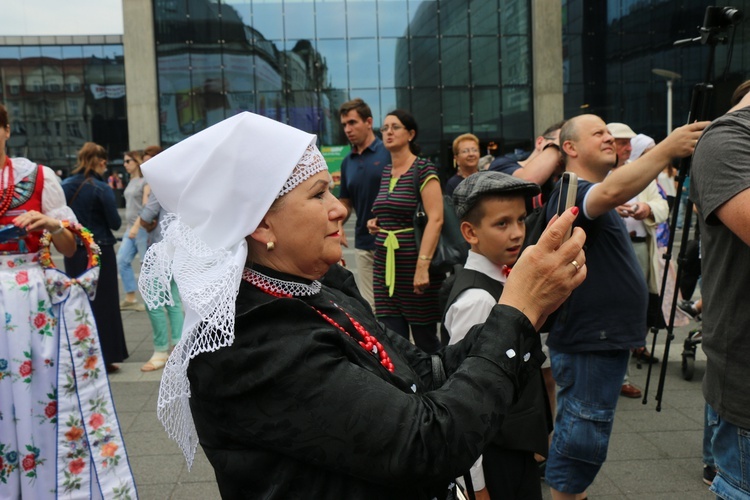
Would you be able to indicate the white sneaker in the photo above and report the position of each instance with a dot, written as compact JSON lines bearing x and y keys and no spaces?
{"x":127,"y":305}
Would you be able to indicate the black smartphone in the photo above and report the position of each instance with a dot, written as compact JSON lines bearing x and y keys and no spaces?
{"x":568,"y":193}
{"x":11,"y":232}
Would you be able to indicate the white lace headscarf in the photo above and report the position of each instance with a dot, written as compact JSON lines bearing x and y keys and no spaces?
{"x":217,"y":185}
{"x":640,"y":143}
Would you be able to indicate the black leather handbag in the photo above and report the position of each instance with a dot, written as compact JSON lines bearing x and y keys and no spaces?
{"x":452,"y":248}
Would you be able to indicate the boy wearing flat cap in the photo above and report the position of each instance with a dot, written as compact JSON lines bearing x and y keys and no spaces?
{"x":492,"y":209}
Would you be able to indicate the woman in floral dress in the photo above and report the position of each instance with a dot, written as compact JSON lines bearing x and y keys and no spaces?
{"x":34,"y":442}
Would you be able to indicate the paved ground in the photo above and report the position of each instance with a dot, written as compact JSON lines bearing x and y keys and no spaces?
{"x":652,"y":454}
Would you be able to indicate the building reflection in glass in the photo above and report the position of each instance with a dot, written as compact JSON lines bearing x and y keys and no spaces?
{"x":610,"y":49}
{"x":298,"y":61}
{"x":60,"y":96}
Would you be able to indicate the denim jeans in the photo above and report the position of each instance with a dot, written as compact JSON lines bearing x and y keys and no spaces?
{"x":158,"y":319}
{"x":125,"y":255}
{"x":731,"y":451}
{"x":709,"y":426}
{"x":589,"y":388}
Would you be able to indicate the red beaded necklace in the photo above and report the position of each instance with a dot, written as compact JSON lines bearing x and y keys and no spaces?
{"x":369,"y":342}
{"x":7,"y":185}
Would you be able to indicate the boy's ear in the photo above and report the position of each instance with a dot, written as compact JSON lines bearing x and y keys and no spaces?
{"x":468,"y":232}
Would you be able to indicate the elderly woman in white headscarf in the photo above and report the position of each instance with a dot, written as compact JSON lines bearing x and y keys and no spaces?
{"x":283,"y":375}
{"x":642,"y":215}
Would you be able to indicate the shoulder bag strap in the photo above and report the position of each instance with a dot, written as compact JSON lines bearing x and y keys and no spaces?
{"x":415,"y":178}
{"x":75,"y":195}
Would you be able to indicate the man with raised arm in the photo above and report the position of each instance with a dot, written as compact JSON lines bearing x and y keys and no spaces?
{"x":541,"y":165}
{"x":605,"y":317}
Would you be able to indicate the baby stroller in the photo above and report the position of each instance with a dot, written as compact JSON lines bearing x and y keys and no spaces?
{"x":690,"y":346}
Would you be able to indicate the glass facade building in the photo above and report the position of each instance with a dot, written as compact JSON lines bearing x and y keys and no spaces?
{"x":458,"y":65}
{"x":610,"y":49}
{"x":61,"y":92}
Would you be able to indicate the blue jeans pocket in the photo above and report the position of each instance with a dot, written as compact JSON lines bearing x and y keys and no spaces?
{"x":583,"y":432}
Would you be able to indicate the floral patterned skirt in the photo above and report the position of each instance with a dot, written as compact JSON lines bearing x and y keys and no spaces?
{"x":59,"y":435}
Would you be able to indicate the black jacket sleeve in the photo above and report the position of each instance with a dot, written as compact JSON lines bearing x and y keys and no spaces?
{"x":294,"y":385}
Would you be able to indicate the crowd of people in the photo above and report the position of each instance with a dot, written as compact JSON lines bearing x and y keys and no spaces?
{"x":256,"y":321}
{"x":596,"y":330}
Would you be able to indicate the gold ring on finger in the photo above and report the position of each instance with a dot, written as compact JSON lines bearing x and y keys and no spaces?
{"x":576,"y":265}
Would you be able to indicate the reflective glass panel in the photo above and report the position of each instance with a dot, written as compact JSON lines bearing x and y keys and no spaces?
{"x":423,"y":104}
{"x":113,"y":51}
{"x":30,"y":51}
{"x":484,"y":18}
{"x":298,"y":20}
{"x":485,"y":61}
{"x":516,"y":113}
{"x":54,"y":52}
{"x":363,"y":64}
{"x":456,"y":112}
{"x":402,"y":66}
{"x":93,"y":51}
{"x":10,"y":52}
{"x":388,"y":62}
{"x":303,"y":111}
{"x":272,"y":105}
{"x":334,"y":52}
{"x":514,"y":17}
{"x":388,"y":102}
{"x":237,"y":10}
{"x":516,"y":60}
{"x":330,"y":19}
{"x":361,"y":18}
{"x":454,"y":18}
{"x":423,"y":18}
{"x":455,"y":61}
{"x":268,"y":19}
{"x":393,"y":18}
{"x":424,"y":55}
{"x":486,"y":107}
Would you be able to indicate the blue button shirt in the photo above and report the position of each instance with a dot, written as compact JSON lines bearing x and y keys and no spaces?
{"x":360,"y":183}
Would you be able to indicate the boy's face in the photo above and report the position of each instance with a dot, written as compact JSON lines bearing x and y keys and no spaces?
{"x":500,"y":233}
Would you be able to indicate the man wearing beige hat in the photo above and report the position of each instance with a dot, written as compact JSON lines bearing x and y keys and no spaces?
{"x":622,"y":134}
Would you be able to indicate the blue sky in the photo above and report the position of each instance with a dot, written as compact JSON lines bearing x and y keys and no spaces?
{"x":56,"y":17}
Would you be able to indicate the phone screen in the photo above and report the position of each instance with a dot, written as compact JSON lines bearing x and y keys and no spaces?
{"x":568,"y":192}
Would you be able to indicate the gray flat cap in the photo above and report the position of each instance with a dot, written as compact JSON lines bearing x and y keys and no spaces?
{"x":489,"y":182}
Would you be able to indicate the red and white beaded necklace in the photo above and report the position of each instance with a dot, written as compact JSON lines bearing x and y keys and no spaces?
{"x":7,"y":185}
{"x":277,"y":288}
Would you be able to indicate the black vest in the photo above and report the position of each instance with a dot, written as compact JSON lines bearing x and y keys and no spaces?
{"x":528,"y":423}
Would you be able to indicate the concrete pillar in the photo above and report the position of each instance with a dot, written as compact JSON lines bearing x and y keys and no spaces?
{"x":547,"y":61}
{"x":140,"y":73}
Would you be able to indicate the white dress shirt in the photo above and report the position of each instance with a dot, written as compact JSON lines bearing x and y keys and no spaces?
{"x":472,"y":307}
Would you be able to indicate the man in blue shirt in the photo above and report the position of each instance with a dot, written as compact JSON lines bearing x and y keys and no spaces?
{"x":361,"y":171}
{"x":605,"y":317}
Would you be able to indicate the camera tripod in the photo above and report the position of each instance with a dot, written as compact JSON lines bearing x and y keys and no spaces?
{"x":716,"y":21}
